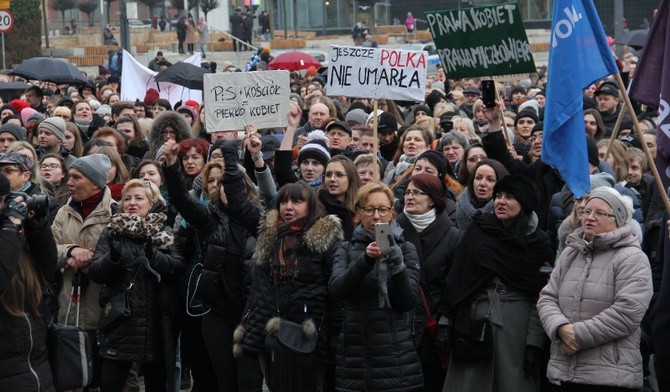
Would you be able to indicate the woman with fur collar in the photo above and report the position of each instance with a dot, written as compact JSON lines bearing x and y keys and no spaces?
{"x":167,"y":125}
{"x":291,"y":268}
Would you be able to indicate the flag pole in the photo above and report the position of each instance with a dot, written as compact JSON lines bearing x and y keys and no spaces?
{"x":501,"y":116}
{"x":640,"y":135}
{"x":615,"y":131}
{"x":375,"y":138}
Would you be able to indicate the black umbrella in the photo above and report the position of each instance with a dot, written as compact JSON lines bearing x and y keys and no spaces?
{"x":634,"y":38}
{"x":183,"y":74}
{"x":48,"y":69}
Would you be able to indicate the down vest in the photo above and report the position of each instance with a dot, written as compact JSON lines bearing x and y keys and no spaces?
{"x":375,"y":350}
{"x":603,"y":288}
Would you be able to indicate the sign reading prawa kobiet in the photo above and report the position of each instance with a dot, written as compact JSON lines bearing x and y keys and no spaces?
{"x":481,"y":41}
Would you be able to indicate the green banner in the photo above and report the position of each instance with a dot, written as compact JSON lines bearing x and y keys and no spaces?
{"x":481,"y":41}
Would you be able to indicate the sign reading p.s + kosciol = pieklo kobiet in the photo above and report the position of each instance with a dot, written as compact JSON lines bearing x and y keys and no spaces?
{"x":378,"y":73}
{"x":233,"y":100}
{"x":481,"y":41}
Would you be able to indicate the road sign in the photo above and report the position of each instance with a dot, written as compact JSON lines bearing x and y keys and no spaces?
{"x":6,"y":21}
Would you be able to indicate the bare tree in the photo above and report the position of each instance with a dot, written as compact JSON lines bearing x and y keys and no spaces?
{"x":62,"y":6}
{"x":88,"y":7}
{"x":208,"y":5}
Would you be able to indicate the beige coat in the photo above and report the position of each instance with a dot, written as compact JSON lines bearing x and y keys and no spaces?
{"x":70,"y":231}
{"x":603,"y":288}
{"x":192,"y":35}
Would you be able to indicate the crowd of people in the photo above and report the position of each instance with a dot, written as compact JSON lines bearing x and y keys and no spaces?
{"x":252,"y":257}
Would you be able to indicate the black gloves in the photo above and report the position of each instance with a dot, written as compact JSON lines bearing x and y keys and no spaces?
{"x":115,"y":247}
{"x":148,"y":249}
{"x":443,"y":338}
{"x":231,"y":154}
{"x":532,"y":359}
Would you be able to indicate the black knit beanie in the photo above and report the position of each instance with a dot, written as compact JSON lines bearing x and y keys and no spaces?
{"x":522,"y":188}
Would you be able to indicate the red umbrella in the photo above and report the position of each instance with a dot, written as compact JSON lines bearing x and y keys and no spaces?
{"x":294,"y":61}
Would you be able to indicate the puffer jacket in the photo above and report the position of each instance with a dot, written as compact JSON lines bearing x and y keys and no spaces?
{"x":305,"y":297}
{"x":173,"y":119}
{"x":137,"y":339}
{"x":225,"y":243}
{"x":375,"y":350}
{"x":603,"y":288}
{"x":24,"y":361}
{"x":70,"y":231}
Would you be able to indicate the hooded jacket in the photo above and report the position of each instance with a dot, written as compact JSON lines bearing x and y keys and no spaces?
{"x":163,"y":120}
{"x":603,"y":289}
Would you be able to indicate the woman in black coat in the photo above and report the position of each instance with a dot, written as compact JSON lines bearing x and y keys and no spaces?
{"x":292,"y":264}
{"x":134,"y":255}
{"x":375,"y":350}
{"x":224,"y":244}
{"x":426,"y":224}
{"x":491,"y":294}
{"x":24,"y":361}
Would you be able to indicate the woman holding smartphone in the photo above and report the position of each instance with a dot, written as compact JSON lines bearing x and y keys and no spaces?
{"x":376,"y":276}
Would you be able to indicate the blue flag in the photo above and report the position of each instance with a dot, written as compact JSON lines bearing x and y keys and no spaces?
{"x":578,"y":56}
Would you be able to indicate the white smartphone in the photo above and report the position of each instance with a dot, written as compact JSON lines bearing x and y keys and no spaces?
{"x":382,"y":232}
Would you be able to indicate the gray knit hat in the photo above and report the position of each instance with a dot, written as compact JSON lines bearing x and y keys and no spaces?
{"x":357,"y":116}
{"x":601,"y":179}
{"x":615,"y":201}
{"x":94,"y":167}
{"x":55,"y":125}
{"x":16,"y":130}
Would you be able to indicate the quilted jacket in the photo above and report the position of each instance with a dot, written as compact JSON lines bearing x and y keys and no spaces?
{"x":603,"y":288}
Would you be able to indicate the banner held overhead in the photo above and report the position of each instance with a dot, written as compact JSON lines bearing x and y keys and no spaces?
{"x":481,"y":41}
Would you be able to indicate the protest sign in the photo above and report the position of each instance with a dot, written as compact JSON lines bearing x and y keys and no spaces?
{"x":379,"y":73}
{"x":233,"y":100}
{"x":481,"y":41}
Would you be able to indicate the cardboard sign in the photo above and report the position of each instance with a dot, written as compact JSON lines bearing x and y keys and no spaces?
{"x":378,"y":73}
{"x":234,"y":100}
{"x":481,"y":41}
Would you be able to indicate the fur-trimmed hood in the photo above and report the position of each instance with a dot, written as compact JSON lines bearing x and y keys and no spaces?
{"x":318,"y":238}
{"x":164,"y":119}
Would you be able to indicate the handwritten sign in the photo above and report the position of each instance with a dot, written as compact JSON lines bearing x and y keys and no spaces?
{"x":233,"y":100}
{"x":481,"y":41}
{"x":379,"y":73}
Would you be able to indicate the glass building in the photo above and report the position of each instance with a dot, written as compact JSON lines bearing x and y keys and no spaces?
{"x":338,"y":16}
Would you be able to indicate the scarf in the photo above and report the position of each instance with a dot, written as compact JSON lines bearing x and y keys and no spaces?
{"x":116,"y":190}
{"x":88,"y":205}
{"x":315,"y":183}
{"x":497,"y":253}
{"x":420,"y":222}
{"x":150,"y":227}
{"x":83,"y":124}
{"x":467,"y":207}
{"x":289,"y":240}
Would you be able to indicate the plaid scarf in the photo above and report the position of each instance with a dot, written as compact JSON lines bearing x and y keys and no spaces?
{"x":285,"y":260}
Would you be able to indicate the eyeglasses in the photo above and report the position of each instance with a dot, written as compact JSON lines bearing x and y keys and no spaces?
{"x":8,"y":170}
{"x":370,"y":211}
{"x":415,"y":193}
{"x":586,"y":212}
{"x":168,"y":132}
{"x":52,"y":166}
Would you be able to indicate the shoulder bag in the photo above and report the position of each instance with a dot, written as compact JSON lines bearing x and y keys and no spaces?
{"x":473,"y":339}
{"x":70,"y":348}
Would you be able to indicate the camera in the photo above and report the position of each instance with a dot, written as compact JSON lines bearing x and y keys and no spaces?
{"x":446,"y":122}
{"x":37,"y":205}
